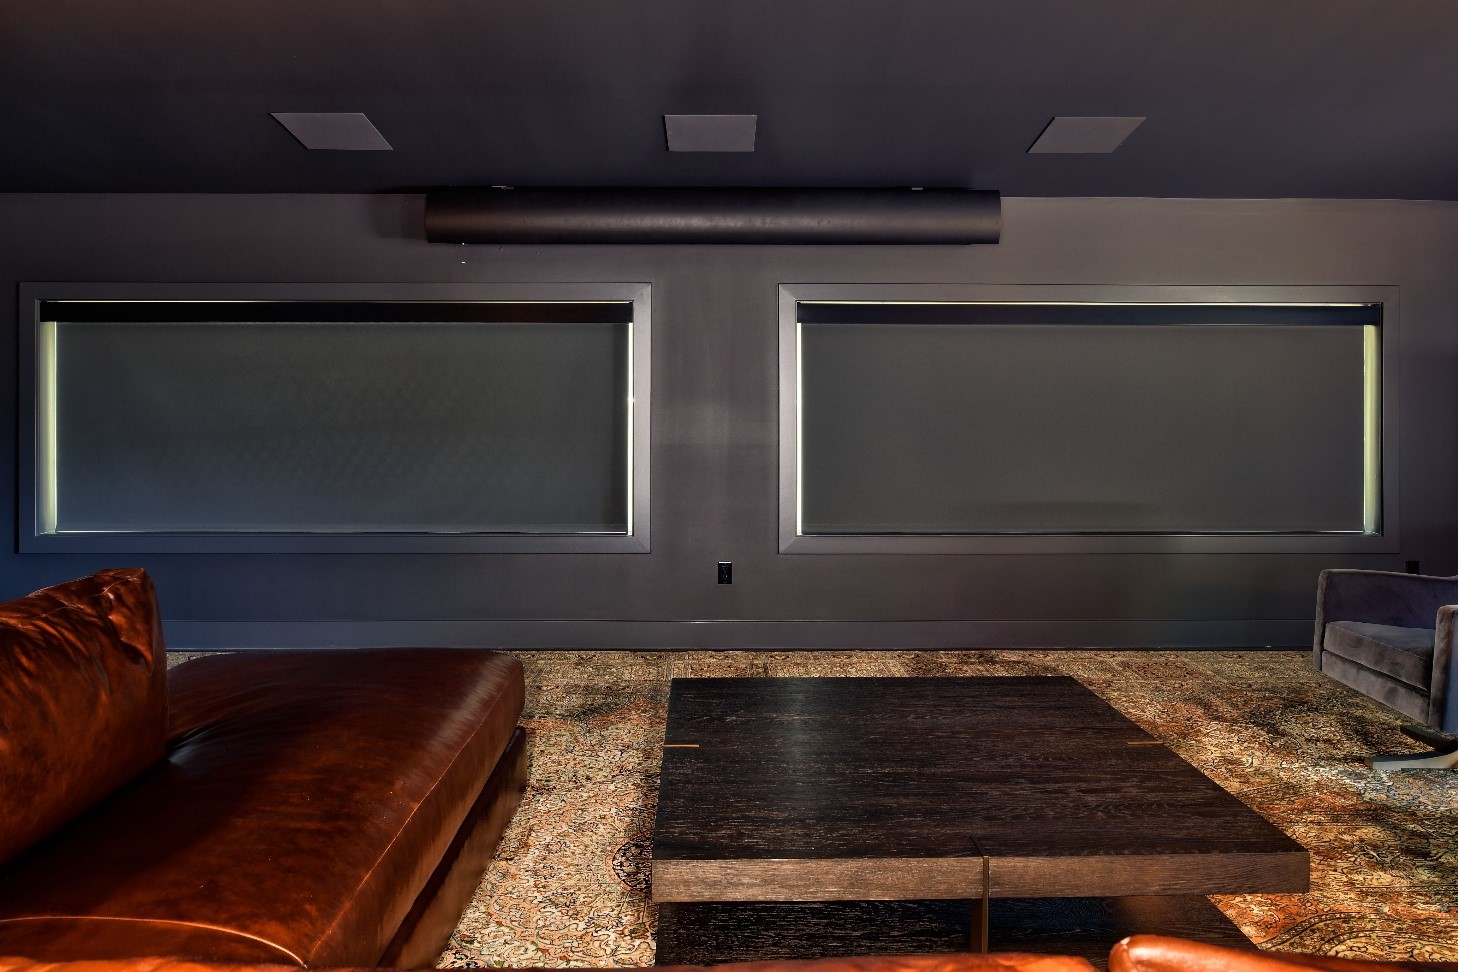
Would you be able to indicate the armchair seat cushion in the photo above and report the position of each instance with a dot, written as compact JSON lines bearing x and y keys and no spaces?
{"x":1405,"y":654}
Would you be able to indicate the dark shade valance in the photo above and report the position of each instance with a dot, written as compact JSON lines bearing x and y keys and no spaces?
{"x":831,"y":312}
{"x":337,"y":311}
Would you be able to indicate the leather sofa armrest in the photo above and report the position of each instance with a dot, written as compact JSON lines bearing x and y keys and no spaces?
{"x":1157,"y":953}
{"x":83,"y":699}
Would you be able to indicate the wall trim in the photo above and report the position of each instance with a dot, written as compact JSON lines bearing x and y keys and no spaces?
{"x":717,"y":634}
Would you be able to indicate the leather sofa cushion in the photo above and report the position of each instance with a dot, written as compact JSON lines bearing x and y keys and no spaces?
{"x":306,"y":799}
{"x":957,"y":962}
{"x":83,"y":699}
{"x":1158,"y":953}
{"x":1405,"y":654}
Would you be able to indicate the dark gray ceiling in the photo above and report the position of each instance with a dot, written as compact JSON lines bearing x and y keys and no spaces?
{"x":1343,"y":98}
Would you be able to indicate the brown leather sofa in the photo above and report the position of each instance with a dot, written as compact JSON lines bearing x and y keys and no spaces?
{"x":1140,"y":953}
{"x":293,"y":808}
{"x":910,"y":963}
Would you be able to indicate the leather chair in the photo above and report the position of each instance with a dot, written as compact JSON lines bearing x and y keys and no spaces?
{"x":1390,"y":637}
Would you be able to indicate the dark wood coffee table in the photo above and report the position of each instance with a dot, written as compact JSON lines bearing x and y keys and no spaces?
{"x":925,"y":814}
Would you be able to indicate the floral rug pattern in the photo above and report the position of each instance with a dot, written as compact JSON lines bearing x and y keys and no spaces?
{"x":569,"y":885}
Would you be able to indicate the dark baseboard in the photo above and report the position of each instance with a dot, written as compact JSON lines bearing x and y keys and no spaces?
{"x":729,"y":635}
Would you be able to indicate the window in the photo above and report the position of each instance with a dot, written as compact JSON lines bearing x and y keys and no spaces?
{"x":978,"y":419}
{"x":280,"y":422}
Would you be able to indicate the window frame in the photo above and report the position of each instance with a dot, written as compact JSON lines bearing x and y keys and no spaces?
{"x":1384,"y":540}
{"x":33,"y":538}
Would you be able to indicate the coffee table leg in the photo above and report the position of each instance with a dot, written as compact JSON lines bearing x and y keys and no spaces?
{"x":981,"y":909}
{"x":979,"y":934}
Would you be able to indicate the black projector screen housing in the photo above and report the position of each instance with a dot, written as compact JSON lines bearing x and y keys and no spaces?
{"x":1065,"y":419}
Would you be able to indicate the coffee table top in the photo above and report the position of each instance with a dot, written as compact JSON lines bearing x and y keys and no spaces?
{"x":923,"y":788}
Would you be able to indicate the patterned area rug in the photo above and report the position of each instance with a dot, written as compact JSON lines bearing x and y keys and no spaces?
{"x":569,"y":885}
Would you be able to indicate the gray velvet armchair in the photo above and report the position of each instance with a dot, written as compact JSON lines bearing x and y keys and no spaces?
{"x":1390,"y":637}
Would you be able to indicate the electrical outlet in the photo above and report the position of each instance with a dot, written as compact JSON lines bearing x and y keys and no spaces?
{"x":726,"y":572}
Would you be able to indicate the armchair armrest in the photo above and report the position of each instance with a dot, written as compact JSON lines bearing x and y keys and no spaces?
{"x":1380,"y":597}
{"x":1443,"y":693}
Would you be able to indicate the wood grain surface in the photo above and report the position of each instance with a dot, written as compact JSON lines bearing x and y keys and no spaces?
{"x":814,"y":879}
{"x":837,"y":779}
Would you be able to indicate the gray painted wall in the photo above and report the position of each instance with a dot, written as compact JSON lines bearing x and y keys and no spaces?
{"x":714,"y":460}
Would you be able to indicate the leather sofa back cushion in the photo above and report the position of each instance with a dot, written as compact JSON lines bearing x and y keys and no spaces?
{"x":83,"y":699}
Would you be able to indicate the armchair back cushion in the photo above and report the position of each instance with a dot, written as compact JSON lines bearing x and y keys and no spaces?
{"x":83,"y":699}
